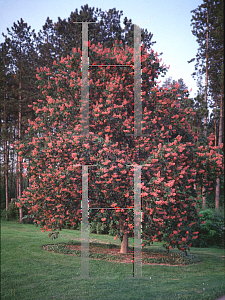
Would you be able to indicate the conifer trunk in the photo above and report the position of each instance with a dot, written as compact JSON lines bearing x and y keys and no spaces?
{"x":215,"y":126}
{"x":12,"y":171}
{"x":205,"y":99}
{"x":217,"y":199}
{"x":206,"y":71}
{"x":6,"y":178}
{"x":5,"y":158}
{"x":19,"y":162}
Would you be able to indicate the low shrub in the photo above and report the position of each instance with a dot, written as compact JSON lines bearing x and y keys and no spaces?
{"x":12,"y":212}
{"x":67,"y":225}
{"x":28,"y":219}
{"x":98,"y":227}
{"x":211,"y":233}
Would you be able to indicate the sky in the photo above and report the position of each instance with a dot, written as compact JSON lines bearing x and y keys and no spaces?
{"x":168,"y":20}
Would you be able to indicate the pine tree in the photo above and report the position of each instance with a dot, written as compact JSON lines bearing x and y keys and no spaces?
{"x":207,"y":22}
{"x":104,"y":28}
{"x":21,"y":65}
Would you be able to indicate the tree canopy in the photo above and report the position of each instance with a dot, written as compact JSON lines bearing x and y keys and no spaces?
{"x":171,"y":162}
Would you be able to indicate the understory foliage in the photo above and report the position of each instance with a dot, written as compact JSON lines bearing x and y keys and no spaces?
{"x":211,"y":232}
{"x":171,"y":162}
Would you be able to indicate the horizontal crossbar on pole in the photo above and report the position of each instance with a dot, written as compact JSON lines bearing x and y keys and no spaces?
{"x":132,"y":134}
{"x":85,"y":165}
{"x":139,"y":22}
{"x":126,"y":22}
{"x":110,"y":65}
{"x":83,"y":22}
{"x":104,"y":167}
{"x":108,"y":208}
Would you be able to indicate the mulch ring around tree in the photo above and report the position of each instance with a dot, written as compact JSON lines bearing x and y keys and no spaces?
{"x":111,"y":252}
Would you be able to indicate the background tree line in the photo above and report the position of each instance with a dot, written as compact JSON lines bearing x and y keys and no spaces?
{"x":23,"y":51}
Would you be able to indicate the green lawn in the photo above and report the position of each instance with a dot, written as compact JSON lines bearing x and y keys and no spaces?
{"x":28,"y":272}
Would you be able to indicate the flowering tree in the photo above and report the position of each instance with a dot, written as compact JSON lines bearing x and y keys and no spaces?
{"x":171,"y":163}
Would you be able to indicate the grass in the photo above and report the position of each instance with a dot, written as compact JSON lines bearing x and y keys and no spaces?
{"x":30,"y":273}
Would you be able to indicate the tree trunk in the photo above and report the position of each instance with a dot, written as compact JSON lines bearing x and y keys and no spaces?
{"x":217,"y":199}
{"x":5,"y":158}
{"x":215,"y":126}
{"x":6,"y":178}
{"x":124,"y":244}
{"x":19,"y":168}
{"x":206,"y":72}
{"x":12,"y":172}
{"x":203,"y":198}
{"x":17,"y":177}
{"x":205,"y":100}
{"x":19,"y":162}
